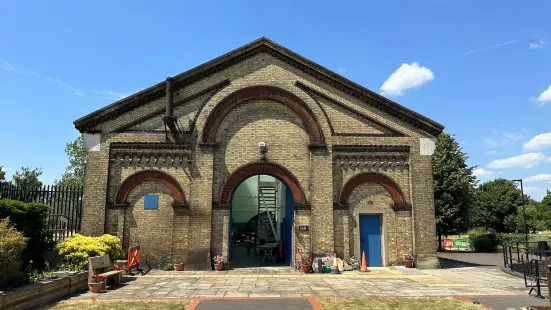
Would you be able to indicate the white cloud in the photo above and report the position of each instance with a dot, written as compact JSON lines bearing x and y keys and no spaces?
{"x":544,"y":97}
{"x":112,"y":95}
{"x":489,"y":47}
{"x":406,"y":77}
{"x":8,"y":67}
{"x":4,"y":169}
{"x":527,"y":160}
{"x":538,"y":178}
{"x":342,"y":70}
{"x":540,"y":44}
{"x":536,"y":193}
{"x":503,"y":136}
{"x":481,"y":173}
{"x":539,"y":142}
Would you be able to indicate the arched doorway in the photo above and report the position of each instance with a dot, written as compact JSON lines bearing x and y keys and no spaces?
{"x":261,"y":223}
{"x":261,"y":198}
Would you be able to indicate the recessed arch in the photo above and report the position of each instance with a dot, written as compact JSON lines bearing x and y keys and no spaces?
{"x":275,"y":170}
{"x":372,"y":177}
{"x":150,"y":175}
{"x":277,"y":94}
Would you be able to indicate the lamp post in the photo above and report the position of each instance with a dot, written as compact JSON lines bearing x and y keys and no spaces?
{"x":523,"y":212}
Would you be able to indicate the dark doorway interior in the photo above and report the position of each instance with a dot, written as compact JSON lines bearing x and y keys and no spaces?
{"x":261,"y":223}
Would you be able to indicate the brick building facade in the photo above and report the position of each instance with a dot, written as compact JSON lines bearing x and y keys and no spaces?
{"x":342,"y":150}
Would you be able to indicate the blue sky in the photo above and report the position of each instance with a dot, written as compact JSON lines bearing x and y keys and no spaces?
{"x":481,"y":68}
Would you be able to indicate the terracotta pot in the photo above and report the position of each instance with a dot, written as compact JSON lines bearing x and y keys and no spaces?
{"x":219,"y":267}
{"x":408,"y":263}
{"x":178,"y":267}
{"x":307,"y":268}
{"x":95,"y":287}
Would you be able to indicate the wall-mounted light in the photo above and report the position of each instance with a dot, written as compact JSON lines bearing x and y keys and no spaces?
{"x":263,"y":151}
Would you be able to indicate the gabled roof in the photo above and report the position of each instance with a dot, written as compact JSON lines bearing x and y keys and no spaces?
{"x":262,"y":45}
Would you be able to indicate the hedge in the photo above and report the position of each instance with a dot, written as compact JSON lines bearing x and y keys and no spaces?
{"x":75,"y":251}
{"x":30,"y":219}
{"x":12,"y":245}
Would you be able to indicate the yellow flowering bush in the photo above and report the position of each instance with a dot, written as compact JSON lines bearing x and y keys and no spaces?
{"x":12,"y":244}
{"x":76,"y":250}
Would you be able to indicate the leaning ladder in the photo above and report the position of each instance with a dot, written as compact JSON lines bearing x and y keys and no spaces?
{"x":268,"y":199}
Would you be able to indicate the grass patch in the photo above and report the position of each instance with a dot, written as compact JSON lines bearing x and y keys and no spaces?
{"x":417,"y":303}
{"x":117,"y":305}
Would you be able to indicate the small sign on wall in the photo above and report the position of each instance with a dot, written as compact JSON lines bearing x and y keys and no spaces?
{"x":303,"y":228}
{"x":151,"y":202}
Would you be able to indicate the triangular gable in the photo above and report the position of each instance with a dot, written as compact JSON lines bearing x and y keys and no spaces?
{"x":262,"y":45}
{"x":344,"y":120}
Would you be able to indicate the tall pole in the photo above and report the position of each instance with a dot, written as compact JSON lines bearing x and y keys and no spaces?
{"x":523,"y":212}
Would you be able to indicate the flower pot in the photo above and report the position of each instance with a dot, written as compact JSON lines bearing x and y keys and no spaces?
{"x":227,"y":266}
{"x":408,"y":263}
{"x":178,"y":267}
{"x":95,"y":287}
{"x":219,"y":267}
{"x":307,"y":268}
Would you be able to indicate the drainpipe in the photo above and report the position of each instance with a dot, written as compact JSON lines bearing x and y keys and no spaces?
{"x":169,"y":97}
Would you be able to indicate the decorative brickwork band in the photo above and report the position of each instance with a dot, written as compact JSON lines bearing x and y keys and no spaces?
{"x":244,"y":95}
{"x":372,"y":177}
{"x":277,"y":171}
{"x":151,"y":175}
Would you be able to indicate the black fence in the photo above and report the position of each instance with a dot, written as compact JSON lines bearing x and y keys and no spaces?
{"x":528,"y":259}
{"x":65,"y":214}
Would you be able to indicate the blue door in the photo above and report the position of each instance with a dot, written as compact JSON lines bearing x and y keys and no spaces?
{"x":370,"y":239}
{"x":288,"y":227}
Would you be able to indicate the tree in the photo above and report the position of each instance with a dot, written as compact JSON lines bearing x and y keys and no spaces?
{"x":496,"y":206}
{"x":27,"y":178}
{"x":546,"y":201}
{"x":453,"y":186}
{"x":538,"y":217}
{"x":2,"y":173}
{"x":74,"y":173}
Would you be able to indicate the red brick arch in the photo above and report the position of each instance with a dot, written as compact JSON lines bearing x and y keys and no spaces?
{"x":150,"y":175}
{"x":246,"y":171}
{"x":371,"y":177}
{"x":247,"y":94}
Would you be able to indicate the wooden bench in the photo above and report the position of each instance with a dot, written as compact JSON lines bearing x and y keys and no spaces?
{"x":101,"y":265}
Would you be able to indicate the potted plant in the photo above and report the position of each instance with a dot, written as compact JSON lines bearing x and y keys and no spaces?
{"x":96,"y":284}
{"x":178,"y":266}
{"x":219,"y":263}
{"x":408,"y":260}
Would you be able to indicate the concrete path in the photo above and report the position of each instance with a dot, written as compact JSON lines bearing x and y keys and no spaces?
{"x":469,"y":281}
{"x":469,"y":259}
{"x":511,"y":302}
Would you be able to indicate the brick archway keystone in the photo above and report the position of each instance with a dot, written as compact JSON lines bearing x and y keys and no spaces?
{"x":371,"y":177}
{"x":275,"y":170}
{"x":151,"y":175}
{"x":245,"y":95}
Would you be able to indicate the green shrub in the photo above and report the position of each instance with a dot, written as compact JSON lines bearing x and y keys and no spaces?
{"x":483,"y":241}
{"x":75,"y":251}
{"x":510,"y":238}
{"x":12,"y":245}
{"x":30,"y":219}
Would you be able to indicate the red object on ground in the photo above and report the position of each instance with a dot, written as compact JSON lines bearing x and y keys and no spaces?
{"x":364,"y":262}
{"x":448,"y":243}
{"x":133,"y":258}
